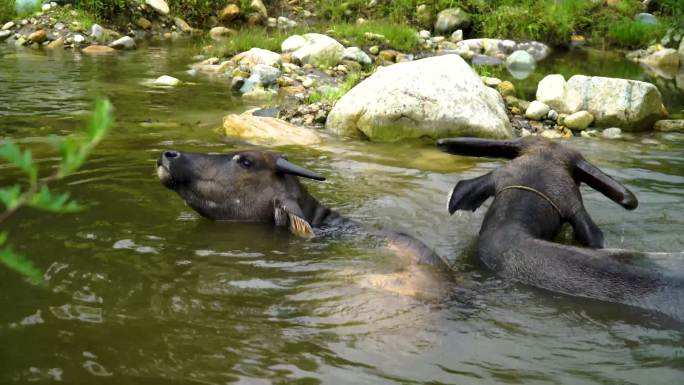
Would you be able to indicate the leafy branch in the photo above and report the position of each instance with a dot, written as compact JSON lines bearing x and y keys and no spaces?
{"x":74,"y":150}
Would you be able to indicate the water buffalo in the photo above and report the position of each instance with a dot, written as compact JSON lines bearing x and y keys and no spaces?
{"x":261,"y":186}
{"x":534,"y":194}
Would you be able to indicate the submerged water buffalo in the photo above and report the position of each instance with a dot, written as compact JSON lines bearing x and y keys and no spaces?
{"x":534,"y":195}
{"x":261,"y":186}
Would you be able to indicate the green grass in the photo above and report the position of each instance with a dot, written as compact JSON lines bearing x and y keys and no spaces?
{"x":632,"y":34}
{"x":83,"y":17}
{"x":248,"y":38}
{"x":7,"y":12}
{"x":398,"y":36}
{"x":335,"y":93}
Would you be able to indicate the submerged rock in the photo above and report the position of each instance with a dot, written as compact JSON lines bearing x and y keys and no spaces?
{"x":98,"y":49}
{"x":267,"y":131}
{"x":56,"y":44}
{"x":520,"y":64}
{"x":612,"y":133}
{"x":434,"y":97}
{"x":630,"y":104}
{"x":166,"y":80}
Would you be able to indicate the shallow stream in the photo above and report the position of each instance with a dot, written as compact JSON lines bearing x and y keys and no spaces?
{"x":143,"y":291}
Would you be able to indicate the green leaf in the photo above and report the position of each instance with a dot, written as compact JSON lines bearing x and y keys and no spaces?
{"x":22,"y":159}
{"x":9,"y":196}
{"x":3,"y":237}
{"x":74,"y":150}
{"x":101,"y":121}
{"x":20,"y":264}
{"x":44,"y":200}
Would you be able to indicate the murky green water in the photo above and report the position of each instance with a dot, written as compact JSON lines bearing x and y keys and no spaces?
{"x":142,"y":291}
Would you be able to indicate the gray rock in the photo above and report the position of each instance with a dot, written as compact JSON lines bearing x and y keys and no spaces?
{"x":96,"y":32}
{"x":182,"y":25}
{"x":520,"y":64}
{"x":78,"y":39}
{"x":259,"y":7}
{"x":666,"y":57}
{"x":456,"y":36}
{"x":5,"y":34}
{"x":451,"y":19}
{"x":579,"y":120}
{"x":125,"y":42}
{"x":357,"y":55}
{"x":552,"y":115}
{"x":612,"y":133}
{"x":669,"y":126}
{"x":292,"y":43}
{"x":478,"y":59}
{"x":433,"y":97}
{"x":256,"y":56}
{"x":536,"y":110}
{"x":266,"y":74}
{"x":424,"y":34}
{"x":539,"y":51}
{"x":7,"y":26}
{"x":319,"y":50}
{"x":630,"y":104}
{"x":646,"y":18}
{"x":166,"y":80}
{"x":159,"y":5}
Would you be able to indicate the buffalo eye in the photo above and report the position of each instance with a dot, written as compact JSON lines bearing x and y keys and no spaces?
{"x":245,"y":163}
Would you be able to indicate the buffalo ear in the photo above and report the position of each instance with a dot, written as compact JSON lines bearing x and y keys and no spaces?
{"x":601,"y":182}
{"x":284,"y":167}
{"x":288,"y":213}
{"x":469,"y":194}
{"x":481,"y":147}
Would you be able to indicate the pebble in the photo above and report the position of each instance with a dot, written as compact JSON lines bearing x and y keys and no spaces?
{"x":536,"y":110}
{"x":612,"y":133}
{"x":78,"y":39}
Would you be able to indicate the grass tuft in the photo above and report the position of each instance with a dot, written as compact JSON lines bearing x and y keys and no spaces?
{"x":398,"y":36}
{"x":335,"y":93}
{"x":248,"y":38}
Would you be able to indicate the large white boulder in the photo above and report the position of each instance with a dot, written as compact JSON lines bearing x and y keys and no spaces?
{"x":434,"y":97}
{"x":629,"y":104}
{"x":319,"y":50}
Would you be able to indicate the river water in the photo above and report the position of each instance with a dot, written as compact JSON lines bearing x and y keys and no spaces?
{"x":140,"y":290}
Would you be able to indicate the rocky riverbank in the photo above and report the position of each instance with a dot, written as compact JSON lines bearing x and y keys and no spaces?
{"x":353,"y":80}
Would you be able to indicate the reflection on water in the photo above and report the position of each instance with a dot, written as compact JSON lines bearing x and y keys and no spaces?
{"x":141,"y":290}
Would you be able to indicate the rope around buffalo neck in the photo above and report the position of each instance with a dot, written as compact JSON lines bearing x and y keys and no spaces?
{"x":541,"y":194}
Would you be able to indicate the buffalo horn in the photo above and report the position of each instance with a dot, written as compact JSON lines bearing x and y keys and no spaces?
{"x":285,"y":167}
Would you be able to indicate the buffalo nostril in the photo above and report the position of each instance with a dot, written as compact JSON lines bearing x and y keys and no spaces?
{"x":171,"y":154}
